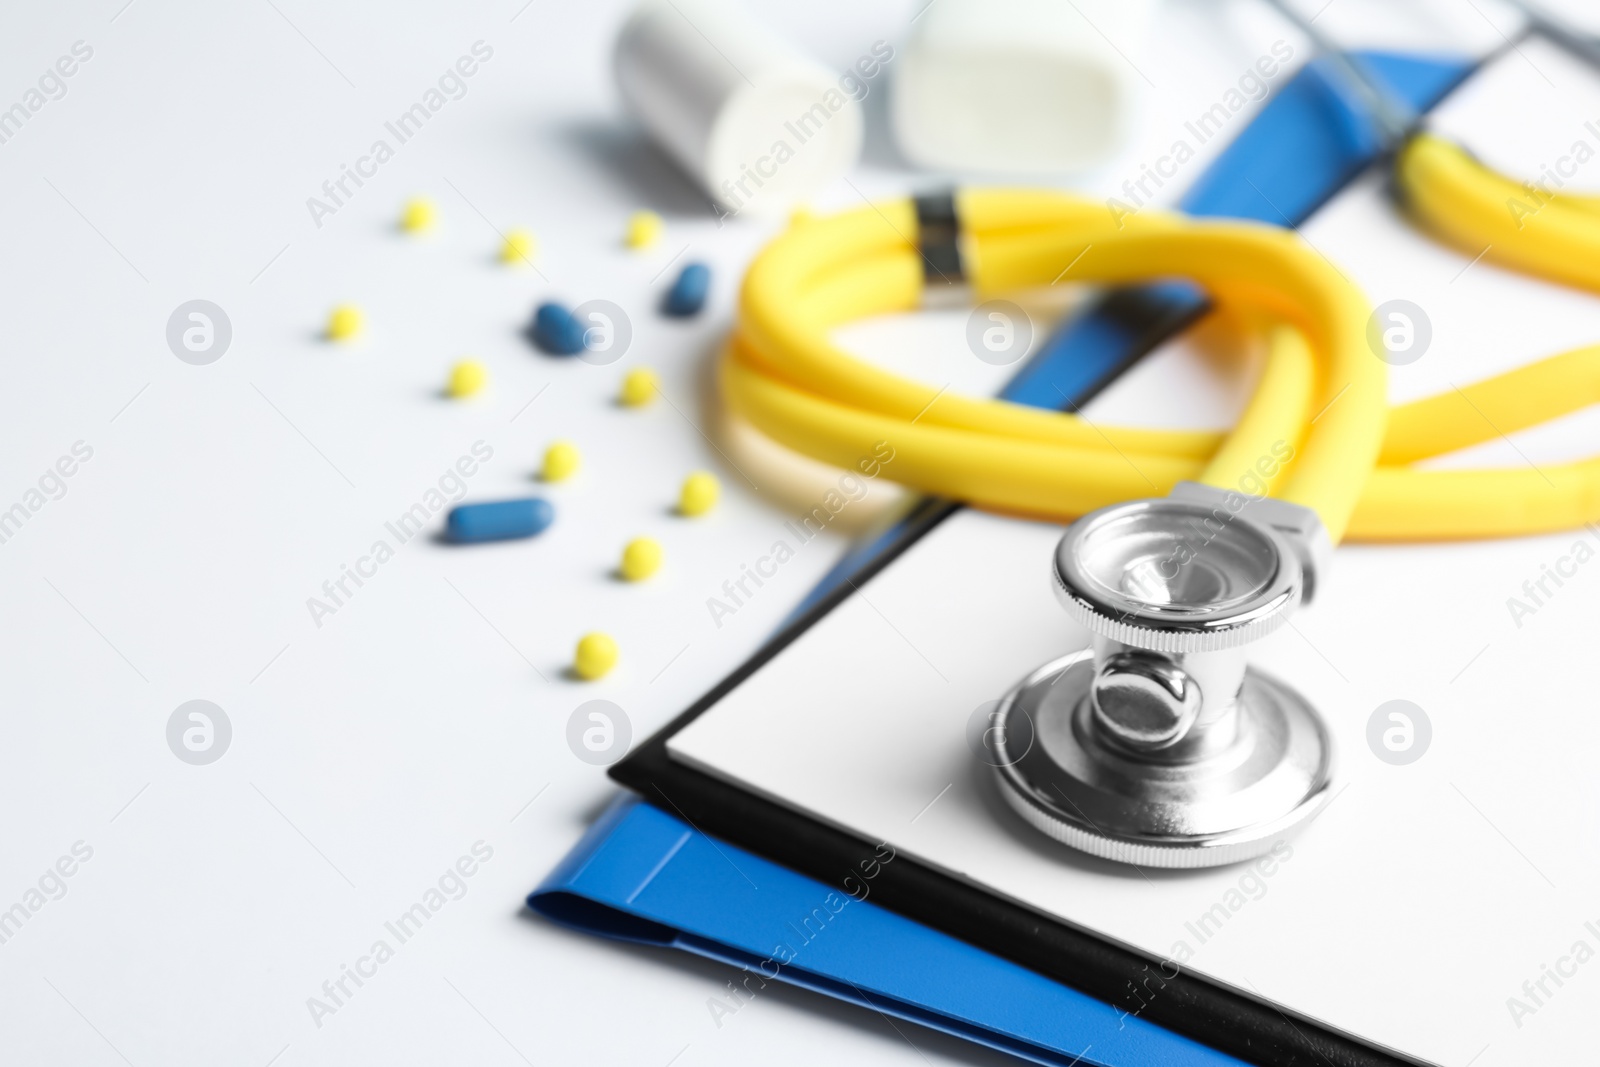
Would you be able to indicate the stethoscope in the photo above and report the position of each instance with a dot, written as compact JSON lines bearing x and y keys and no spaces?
{"x":1158,"y":745}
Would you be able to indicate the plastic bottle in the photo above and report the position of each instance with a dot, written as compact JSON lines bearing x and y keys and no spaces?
{"x":1019,"y":86}
{"x":757,"y":124}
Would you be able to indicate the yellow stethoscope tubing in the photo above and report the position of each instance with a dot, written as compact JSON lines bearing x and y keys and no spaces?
{"x":782,"y":373}
{"x":1484,"y":213}
{"x":1022,"y":240}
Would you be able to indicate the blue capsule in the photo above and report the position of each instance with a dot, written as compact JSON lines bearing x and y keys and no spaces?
{"x":688,"y":294}
{"x":499,"y":520}
{"x":557,"y":331}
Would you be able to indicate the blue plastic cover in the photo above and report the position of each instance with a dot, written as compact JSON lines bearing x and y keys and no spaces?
{"x":642,"y":875}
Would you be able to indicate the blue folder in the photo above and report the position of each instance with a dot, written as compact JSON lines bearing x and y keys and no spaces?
{"x":643,"y":875}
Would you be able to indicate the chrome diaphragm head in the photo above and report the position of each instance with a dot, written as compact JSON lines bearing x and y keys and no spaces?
{"x":1158,"y":745}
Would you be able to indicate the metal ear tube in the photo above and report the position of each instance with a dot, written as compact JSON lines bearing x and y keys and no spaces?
{"x":1159,"y":745}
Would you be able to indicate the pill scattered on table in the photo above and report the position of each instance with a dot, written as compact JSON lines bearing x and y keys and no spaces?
{"x":596,"y":655}
{"x":644,"y":229}
{"x":345,"y":323}
{"x":518,"y":248}
{"x":418,"y":215}
{"x":640,"y":559}
{"x":561,"y":461}
{"x":557,"y":331}
{"x":467,"y":378}
{"x":688,"y":294}
{"x":699,"y":493}
{"x":498,"y":520}
{"x":639,"y":387}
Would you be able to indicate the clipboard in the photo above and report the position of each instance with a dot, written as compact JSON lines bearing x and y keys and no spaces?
{"x":1311,"y":129}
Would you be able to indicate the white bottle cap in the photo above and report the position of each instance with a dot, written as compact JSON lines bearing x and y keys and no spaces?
{"x":1018,"y":86}
{"x":759,"y":125}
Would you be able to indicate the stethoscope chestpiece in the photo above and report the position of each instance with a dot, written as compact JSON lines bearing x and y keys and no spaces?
{"x":1157,"y":745}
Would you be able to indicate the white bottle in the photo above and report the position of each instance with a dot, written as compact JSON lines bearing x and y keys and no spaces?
{"x":1019,"y":86}
{"x":757,"y":124}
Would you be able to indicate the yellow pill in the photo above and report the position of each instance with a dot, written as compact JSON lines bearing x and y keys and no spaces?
{"x":699,"y":494}
{"x":467,"y":378}
{"x":519,"y":247}
{"x":595,"y":657}
{"x":418,"y":215}
{"x":561,"y":461}
{"x":639,"y":387}
{"x":641,"y":558}
{"x":345,"y":323}
{"x":800,"y":216}
{"x":644,"y":229}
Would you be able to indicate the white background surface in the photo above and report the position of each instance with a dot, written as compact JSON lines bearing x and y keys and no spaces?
{"x":429,"y":713}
